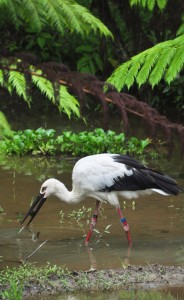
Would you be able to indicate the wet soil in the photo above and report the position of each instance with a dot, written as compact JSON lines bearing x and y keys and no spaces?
{"x":131,"y":277}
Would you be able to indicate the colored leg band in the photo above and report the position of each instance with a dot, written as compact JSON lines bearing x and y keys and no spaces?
{"x":123,"y":220}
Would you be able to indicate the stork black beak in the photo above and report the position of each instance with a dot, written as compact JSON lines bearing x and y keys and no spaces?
{"x":34,"y":209}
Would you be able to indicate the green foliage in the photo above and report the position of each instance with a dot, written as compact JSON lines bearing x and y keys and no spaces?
{"x":180,"y":30}
{"x":13,"y":280}
{"x":55,"y":279}
{"x":61,"y":15}
{"x":90,"y":60}
{"x":5,"y":128}
{"x":67,"y":102}
{"x":80,"y":214}
{"x":150,"y":4}
{"x":16,"y":80}
{"x":165,"y":60}
{"x":42,"y":141}
{"x":15,"y":291}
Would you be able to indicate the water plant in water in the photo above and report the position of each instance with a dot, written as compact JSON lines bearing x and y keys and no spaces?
{"x":82,"y":218}
{"x":2,"y":213}
{"x":45,"y":141}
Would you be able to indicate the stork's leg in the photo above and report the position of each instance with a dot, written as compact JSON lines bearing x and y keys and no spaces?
{"x":125,"y":226}
{"x":93,"y":222}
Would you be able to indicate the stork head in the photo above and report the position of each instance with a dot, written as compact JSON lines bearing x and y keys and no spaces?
{"x":48,"y":188}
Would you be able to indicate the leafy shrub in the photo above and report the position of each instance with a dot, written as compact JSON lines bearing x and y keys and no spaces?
{"x":42,"y":141}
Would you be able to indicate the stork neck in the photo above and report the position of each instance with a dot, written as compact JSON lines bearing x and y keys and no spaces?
{"x":65,"y":195}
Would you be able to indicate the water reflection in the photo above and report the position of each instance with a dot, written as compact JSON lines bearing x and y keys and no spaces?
{"x":172,"y":294}
{"x":157,"y":224}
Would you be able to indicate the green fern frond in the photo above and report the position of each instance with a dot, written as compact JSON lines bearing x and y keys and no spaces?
{"x":5,"y":128}
{"x":10,"y":10}
{"x":136,"y":63}
{"x":161,"y":65}
{"x":32,"y":13}
{"x":90,"y":21}
{"x":13,"y":78}
{"x":118,"y":77}
{"x":52,"y":9}
{"x":67,"y":102}
{"x":150,"y":4}
{"x":17,"y":81}
{"x":1,"y":78}
{"x":176,"y":65}
{"x":44,"y":85}
{"x":180,"y":30}
{"x":164,"y":60}
{"x":70,"y":15}
{"x":59,"y":14}
{"x":146,"y":68}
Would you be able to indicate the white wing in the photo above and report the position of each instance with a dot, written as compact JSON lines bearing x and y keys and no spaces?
{"x":96,"y":172}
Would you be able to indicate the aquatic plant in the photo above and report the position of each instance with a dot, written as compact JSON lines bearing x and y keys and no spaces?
{"x":45,"y":142}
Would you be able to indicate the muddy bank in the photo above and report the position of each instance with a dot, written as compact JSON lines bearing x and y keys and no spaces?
{"x":131,"y":277}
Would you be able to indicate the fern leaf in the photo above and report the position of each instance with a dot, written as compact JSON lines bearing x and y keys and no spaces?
{"x":149,"y":3}
{"x":16,"y":80}
{"x":162,"y":3}
{"x":180,"y":30}
{"x":44,"y":85}
{"x":176,"y":65}
{"x":146,"y":68}
{"x":89,"y":21}
{"x":5,"y":128}
{"x":73,"y":16}
{"x":1,"y":78}
{"x":12,"y":11}
{"x":152,"y":65}
{"x":32,"y":12}
{"x":68,"y":103}
{"x":136,"y":63}
{"x":52,"y":9}
{"x":118,"y":77}
{"x":59,"y":14}
{"x":70,"y":15}
{"x":161,"y":65}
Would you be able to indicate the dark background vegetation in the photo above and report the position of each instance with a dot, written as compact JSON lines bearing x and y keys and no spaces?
{"x":134,"y":28}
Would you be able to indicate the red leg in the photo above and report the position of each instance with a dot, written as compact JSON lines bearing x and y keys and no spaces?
{"x":93,"y":222}
{"x":125,"y":226}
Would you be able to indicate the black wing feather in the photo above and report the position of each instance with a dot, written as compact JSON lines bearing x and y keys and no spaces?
{"x":142,"y":178}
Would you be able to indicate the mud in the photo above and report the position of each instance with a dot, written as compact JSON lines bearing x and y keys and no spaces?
{"x":132,"y":277}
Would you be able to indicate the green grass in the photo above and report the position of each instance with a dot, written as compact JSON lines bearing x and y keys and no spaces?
{"x":20,"y":281}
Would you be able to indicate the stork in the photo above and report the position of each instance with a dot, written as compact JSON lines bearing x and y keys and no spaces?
{"x":106,"y":177}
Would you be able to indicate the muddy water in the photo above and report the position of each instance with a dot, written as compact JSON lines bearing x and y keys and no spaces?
{"x":175,"y":293}
{"x":156,"y":223}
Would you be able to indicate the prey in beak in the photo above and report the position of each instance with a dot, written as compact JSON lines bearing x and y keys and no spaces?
{"x":34,"y":209}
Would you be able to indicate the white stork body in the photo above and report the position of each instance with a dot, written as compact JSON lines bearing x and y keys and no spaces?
{"x":105,"y":177}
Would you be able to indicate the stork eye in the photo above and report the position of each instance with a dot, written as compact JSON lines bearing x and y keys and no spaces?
{"x":43,"y":189}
